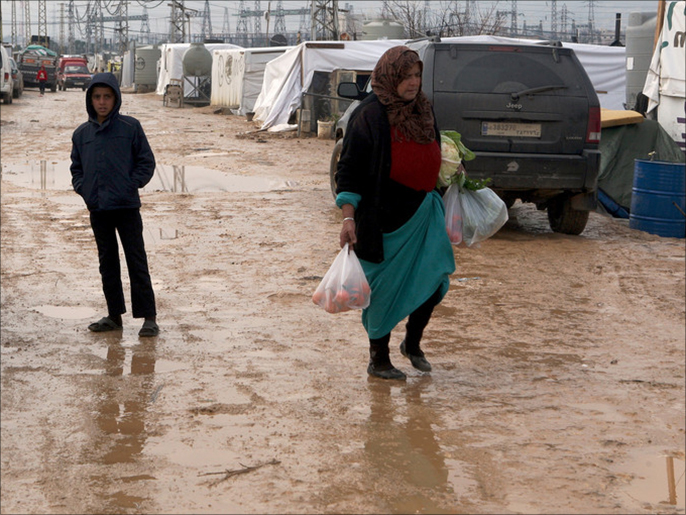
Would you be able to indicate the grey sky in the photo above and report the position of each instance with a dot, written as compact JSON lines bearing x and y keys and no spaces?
{"x":531,"y":11}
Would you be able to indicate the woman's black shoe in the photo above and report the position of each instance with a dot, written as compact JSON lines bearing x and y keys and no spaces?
{"x":390,"y":373}
{"x":418,"y":360}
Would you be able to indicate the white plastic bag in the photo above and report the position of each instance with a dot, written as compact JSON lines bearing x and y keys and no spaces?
{"x":483,"y":214}
{"x":344,"y":287}
{"x":453,"y":214}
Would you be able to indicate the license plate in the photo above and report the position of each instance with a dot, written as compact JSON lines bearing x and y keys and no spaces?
{"x":78,"y":84}
{"x":518,"y":130}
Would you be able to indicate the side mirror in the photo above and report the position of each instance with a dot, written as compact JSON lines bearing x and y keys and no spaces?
{"x":351,"y":90}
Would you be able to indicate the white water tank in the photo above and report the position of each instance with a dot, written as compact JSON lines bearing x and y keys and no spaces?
{"x":640,"y":34}
{"x":197,"y":61}
{"x":382,"y":29}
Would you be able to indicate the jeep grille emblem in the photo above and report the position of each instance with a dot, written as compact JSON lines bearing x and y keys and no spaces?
{"x":516,"y":107}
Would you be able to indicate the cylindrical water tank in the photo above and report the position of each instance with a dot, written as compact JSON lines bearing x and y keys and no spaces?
{"x":640,"y":34}
{"x":146,"y":65}
{"x":197,"y":61}
{"x":382,"y":29}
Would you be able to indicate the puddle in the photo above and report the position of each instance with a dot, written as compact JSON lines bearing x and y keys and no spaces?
{"x":55,"y":175}
{"x":66,"y":312}
{"x":656,"y":478}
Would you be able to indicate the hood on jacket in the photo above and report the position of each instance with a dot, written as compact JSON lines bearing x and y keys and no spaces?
{"x":103,"y":79}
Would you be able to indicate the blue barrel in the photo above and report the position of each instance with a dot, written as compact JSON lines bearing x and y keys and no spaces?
{"x":658,"y":198}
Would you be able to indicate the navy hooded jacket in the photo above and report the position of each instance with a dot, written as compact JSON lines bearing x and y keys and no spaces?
{"x":110,"y":161}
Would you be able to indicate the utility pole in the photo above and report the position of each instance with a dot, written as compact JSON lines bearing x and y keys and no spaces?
{"x":257,"y":21}
{"x":71,"y":21}
{"x":513,"y":24}
{"x":206,"y":22}
{"x":591,"y":21}
{"x":27,"y":22}
{"x":553,"y":19}
{"x":43,"y":23}
{"x":242,"y":27}
{"x":280,"y":22}
{"x":145,"y":27}
{"x":14,"y":24}
{"x":62,"y":46}
{"x":177,"y":27}
{"x":324,"y":20}
{"x":123,"y":26}
{"x":226,"y":28}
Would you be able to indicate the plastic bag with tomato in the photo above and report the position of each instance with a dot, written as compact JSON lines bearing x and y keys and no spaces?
{"x":344,"y":287}
{"x":453,"y":214}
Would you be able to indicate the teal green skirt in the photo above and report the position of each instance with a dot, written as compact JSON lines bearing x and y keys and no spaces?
{"x":418,"y":259}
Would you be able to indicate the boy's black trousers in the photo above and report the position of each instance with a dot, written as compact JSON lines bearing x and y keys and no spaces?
{"x":129,"y":225}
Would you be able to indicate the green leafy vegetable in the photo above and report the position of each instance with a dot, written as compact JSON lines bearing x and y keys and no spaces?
{"x":453,"y":152}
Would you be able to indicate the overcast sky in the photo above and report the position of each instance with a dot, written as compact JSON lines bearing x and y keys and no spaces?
{"x":530,"y":11}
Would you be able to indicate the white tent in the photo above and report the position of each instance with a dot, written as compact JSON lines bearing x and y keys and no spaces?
{"x":289,"y":75}
{"x":665,"y":84}
{"x":237,"y":75}
{"x":170,"y":65}
{"x":606,"y":67}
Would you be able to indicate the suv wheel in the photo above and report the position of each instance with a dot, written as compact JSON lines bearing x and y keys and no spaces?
{"x":335,"y":156}
{"x":564,"y":219}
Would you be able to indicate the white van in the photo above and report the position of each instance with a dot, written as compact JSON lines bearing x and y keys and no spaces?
{"x":6,"y":84}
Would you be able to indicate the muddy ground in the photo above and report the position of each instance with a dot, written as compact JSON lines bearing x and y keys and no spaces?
{"x":558,"y":382}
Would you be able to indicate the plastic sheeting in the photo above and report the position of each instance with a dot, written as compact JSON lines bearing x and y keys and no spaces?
{"x":170,"y":65}
{"x":665,"y":84}
{"x":237,"y":76}
{"x":620,"y":146}
{"x":288,"y":76}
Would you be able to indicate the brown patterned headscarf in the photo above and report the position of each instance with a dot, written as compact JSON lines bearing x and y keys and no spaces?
{"x":413,"y":119}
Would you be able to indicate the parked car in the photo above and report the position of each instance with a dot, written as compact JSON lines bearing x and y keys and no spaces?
{"x":18,"y":79}
{"x":528,"y":111}
{"x":6,"y":82}
{"x":72,"y":72}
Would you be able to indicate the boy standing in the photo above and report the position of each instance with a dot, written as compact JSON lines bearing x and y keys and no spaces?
{"x":110,"y":160}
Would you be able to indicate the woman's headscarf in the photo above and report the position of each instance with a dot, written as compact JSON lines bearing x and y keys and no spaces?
{"x":413,"y":119}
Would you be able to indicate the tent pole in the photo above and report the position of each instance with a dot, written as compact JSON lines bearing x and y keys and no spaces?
{"x":660,"y":21}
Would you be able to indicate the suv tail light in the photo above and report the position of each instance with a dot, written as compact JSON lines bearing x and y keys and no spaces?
{"x":593,"y":130}
{"x":7,"y":76}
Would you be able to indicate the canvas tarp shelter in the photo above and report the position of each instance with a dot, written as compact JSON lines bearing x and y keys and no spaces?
{"x":237,"y":75}
{"x":289,"y":75}
{"x":665,"y":84}
{"x":621,"y":145}
{"x":170,"y":65}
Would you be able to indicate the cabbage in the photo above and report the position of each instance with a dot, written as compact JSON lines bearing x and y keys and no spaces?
{"x":453,"y":152}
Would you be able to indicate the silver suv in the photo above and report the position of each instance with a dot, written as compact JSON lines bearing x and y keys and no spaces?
{"x":528,"y":111}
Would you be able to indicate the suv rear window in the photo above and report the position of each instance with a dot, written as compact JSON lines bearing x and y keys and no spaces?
{"x":503,"y":69}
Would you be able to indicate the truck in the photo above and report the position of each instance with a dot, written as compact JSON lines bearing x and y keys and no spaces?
{"x":31,"y":59}
{"x":72,"y":72}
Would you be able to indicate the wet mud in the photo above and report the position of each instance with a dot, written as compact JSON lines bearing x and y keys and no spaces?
{"x":558,"y":361}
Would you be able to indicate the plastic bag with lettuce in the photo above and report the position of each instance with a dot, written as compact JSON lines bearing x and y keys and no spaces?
{"x":473,"y":212}
{"x":453,"y":152}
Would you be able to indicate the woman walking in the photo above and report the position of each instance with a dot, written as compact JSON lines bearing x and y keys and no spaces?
{"x":392,"y":214}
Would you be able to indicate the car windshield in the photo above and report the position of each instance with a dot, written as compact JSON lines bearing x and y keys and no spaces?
{"x":76,"y":69}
